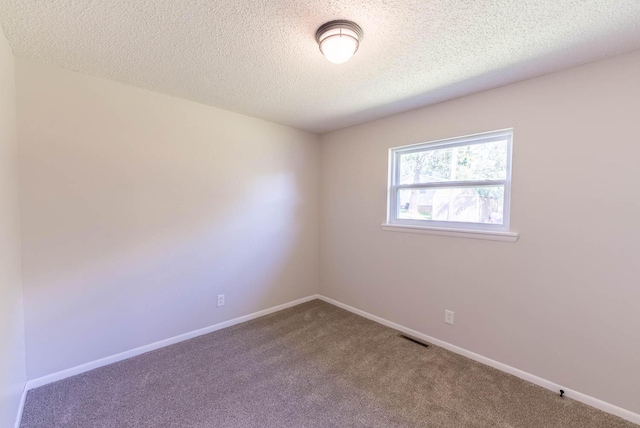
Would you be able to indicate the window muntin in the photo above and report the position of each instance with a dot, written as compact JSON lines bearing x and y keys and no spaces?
{"x":461,"y":183}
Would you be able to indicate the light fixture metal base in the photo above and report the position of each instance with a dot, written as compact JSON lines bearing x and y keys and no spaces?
{"x":339,"y":23}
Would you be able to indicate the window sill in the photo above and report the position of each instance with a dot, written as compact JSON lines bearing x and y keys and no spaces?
{"x":489,"y":235}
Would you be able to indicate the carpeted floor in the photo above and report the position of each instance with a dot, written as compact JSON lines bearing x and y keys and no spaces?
{"x":313,"y":365}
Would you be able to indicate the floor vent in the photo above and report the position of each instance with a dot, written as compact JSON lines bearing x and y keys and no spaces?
{"x":414,"y":340}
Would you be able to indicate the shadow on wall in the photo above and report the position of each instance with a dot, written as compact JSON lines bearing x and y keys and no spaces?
{"x":139,"y":208}
{"x":136,"y":259}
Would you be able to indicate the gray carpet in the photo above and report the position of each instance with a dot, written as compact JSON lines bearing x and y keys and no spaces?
{"x":313,"y":365}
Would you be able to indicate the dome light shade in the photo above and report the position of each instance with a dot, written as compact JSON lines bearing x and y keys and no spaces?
{"x":339,"y":40}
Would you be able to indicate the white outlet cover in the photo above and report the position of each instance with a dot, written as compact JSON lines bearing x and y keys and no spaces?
{"x":220,"y":300}
{"x":448,"y":317}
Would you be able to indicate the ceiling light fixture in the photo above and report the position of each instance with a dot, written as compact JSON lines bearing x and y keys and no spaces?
{"x":339,"y":40}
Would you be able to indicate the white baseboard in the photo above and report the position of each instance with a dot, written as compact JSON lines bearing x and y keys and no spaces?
{"x":21,"y":407}
{"x":37,"y":382}
{"x":578,"y":396}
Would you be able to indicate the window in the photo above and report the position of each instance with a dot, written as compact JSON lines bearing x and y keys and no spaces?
{"x":460,"y":183}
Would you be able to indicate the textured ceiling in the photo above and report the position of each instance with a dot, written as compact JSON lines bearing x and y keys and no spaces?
{"x":260,"y":58}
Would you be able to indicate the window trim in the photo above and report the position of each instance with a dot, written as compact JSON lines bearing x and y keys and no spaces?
{"x":456,"y":233}
{"x":448,"y":227}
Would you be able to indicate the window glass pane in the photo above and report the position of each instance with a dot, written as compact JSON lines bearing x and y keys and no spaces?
{"x":459,"y":204}
{"x":487,"y":161}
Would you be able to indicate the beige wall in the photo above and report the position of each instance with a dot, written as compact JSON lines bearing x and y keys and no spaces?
{"x":562,"y":302}
{"x":12,"y":359}
{"x":139,"y":208}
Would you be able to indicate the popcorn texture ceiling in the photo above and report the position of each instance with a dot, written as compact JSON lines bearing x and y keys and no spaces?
{"x":260,"y":57}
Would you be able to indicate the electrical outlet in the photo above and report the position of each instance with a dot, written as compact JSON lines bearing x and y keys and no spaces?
{"x":220,"y":300}
{"x":448,"y":317}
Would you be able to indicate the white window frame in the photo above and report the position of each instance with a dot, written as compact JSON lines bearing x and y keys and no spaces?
{"x":478,"y":230}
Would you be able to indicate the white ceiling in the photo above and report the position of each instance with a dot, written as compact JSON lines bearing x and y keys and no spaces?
{"x":260,"y":57}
